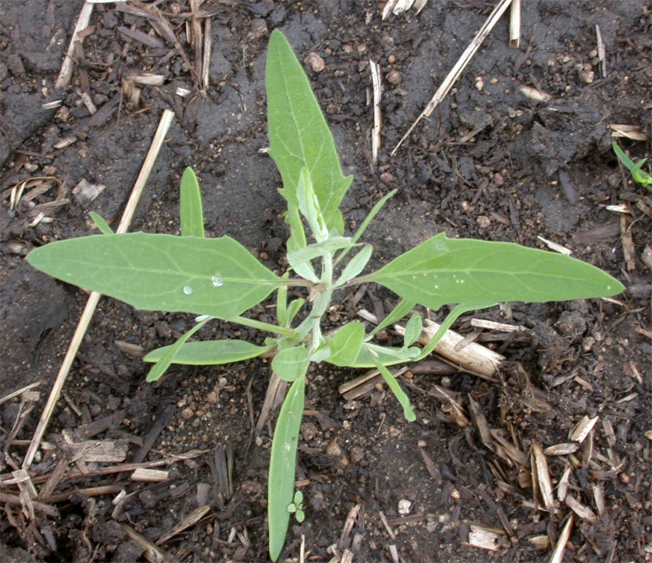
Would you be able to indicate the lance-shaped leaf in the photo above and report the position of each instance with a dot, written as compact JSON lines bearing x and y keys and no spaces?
{"x":283,"y":466}
{"x":441,"y":271}
{"x":210,"y":352}
{"x":299,"y":136}
{"x":191,"y":210}
{"x":171,"y":352}
{"x":386,"y":355}
{"x":205,"y":276}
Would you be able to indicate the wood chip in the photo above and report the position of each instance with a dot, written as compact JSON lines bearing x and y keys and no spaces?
{"x":150,"y":475}
{"x":104,"y":451}
{"x":596,"y":234}
{"x":582,"y":429}
{"x":556,"y":247}
{"x":578,"y":508}
{"x":562,"y":488}
{"x":560,"y":547}
{"x":541,"y":477}
{"x":486,"y":537}
{"x":562,"y":449}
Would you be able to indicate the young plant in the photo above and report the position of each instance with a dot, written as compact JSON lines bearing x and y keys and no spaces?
{"x":220,"y":279}
{"x":635,"y":168}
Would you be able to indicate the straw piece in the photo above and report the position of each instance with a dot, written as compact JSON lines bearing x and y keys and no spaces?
{"x":65,"y":74}
{"x":456,"y":71}
{"x":378,"y":92}
{"x":515,"y":25}
{"x":91,"y":304}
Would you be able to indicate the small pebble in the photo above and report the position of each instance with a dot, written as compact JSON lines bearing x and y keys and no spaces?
{"x":315,"y":62}
{"x":187,"y":413}
{"x":386,"y":177}
{"x":587,"y":76}
{"x":483,"y":221}
{"x":391,"y":59}
{"x":394,"y":77}
{"x":404,"y":507}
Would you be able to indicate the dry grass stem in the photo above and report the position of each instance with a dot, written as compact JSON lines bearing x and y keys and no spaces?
{"x":87,"y":315}
{"x":190,"y":520}
{"x":65,"y":74}
{"x":602,"y":54}
{"x":491,"y":325}
{"x":378,"y":92}
{"x":152,"y":552}
{"x":515,"y":24}
{"x":633,"y":132}
{"x":556,"y":247}
{"x":456,"y":71}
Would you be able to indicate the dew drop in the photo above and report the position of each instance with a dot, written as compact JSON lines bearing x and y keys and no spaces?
{"x":187,"y":290}
{"x":217,"y":280}
{"x":608,"y":288}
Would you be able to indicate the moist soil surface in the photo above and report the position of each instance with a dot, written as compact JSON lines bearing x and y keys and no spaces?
{"x":518,"y":151}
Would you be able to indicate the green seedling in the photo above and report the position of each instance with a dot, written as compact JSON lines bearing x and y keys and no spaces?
{"x":296,"y":507}
{"x":217,"y":278}
{"x":635,"y":168}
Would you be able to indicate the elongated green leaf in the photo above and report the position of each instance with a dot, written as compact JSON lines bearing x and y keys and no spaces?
{"x":291,"y":363}
{"x":282,"y":466}
{"x":396,"y":388}
{"x":345,"y":344}
{"x":171,"y":352}
{"x":309,"y":205}
{"x":367,"y":220}
{"x":216,"y":277}
{"x":293,"y":309}
{"x":101,"y":224}
{"x":412,"y":330}
{"x":192,"y":214}
{"x":355,"y":265}
{"x":210,"y":352}
{"x":441,"y":271}
{"x":396,"y":314}
{"x":387,"y":355}
{"x":448,"y":322}
{"x":298,"y":133}
{"x":318,"y":249}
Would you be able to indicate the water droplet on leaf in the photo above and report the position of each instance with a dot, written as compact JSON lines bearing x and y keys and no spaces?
{"x":217,"y":280}
{"x":187,"y":290}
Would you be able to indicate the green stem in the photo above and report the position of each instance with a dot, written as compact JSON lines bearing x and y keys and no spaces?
{"x":275,"y":329}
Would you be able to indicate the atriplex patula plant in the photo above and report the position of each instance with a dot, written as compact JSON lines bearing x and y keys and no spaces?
{"x":220,"y":279}
{"x":635,"y":168}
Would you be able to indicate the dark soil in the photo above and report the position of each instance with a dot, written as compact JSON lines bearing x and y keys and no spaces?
{"x":490,"y":163}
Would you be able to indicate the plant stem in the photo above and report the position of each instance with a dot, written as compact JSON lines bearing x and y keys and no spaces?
{"x":275,"y":329}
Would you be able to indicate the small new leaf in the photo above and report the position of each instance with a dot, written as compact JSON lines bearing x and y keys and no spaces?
{"x":355,"y":265}
{"x":101,"y":224}
{"x":412,"y":330}
{"x":292,"y":363}
{"x":345,"y":344}
{"x":191,"y":212}
{"x":168,"y":356}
